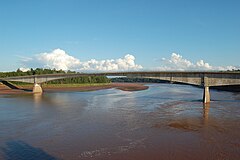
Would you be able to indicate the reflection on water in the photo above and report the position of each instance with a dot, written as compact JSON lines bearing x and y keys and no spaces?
{"x":167,"y":121}
{"x":206,"y":108}
{"x":37,"y":98}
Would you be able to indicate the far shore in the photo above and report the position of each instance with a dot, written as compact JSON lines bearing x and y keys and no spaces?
{"x":73,"y":87}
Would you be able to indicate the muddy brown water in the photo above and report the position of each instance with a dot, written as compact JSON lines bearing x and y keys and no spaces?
{"x":167,"y":121}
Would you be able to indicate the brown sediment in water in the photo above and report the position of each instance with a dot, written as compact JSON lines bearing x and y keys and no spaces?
{"x":51,"y":88}
{"x":191,"y":125}
{"x":184,"y":126}
{"x":112,"y":126}
{"x":6,"y":90}
{"x":129,"y":86}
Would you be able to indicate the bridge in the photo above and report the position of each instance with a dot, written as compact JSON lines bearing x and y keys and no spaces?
{"x":204,"y":79}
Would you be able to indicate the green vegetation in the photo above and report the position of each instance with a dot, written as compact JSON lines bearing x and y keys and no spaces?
{"x":83,"y":79}
{"x":40,"y":71}
{"x":75,"y":85}
{"x":37,"y":71}
{"x":137,"y":80}
{"x":27,"y":85}
{"x":238,"y":70}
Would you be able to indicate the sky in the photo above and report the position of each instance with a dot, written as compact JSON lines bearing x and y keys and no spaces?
{"x":119,"y":35}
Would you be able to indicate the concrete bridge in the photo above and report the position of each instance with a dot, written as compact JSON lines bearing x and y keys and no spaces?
{"x":204,"y":79}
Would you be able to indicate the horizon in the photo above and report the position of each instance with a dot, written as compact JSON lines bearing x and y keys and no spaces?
{"x":120,"y":35}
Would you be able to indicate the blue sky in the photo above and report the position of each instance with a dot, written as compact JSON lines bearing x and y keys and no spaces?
{"x":110,"y":29}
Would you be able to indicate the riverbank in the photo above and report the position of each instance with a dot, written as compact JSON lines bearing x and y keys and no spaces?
{"x":73,"y":87}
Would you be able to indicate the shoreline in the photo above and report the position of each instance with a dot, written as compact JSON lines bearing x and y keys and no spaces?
{"x":27,"y":89}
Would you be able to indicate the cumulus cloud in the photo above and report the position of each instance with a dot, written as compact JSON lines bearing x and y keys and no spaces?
{"x":59,"y":59}
{"x":178,"y":63}
{"x":24,"y":69}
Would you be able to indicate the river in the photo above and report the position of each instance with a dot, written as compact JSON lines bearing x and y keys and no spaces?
{"x":167,"y":121}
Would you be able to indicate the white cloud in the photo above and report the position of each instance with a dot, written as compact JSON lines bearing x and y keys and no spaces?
{"x":178,"y":63}
{"x":59,"y":59}
{"x":24,"y":69}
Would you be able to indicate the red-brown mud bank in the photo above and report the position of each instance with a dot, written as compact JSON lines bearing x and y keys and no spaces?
{"x":122,"y":86}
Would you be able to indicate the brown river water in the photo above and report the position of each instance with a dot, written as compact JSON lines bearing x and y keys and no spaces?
{"x":167,"y":121}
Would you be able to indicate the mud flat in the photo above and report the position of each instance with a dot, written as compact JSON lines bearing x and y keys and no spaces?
{"x":75,"y":87}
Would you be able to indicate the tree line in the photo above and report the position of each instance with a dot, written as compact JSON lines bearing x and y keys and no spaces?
{"x":40,"y":71}
{"x":37,"y":71}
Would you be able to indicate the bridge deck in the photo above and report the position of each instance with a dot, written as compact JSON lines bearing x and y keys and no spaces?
{"x":196,"y":78}
{"x":205,"y":79}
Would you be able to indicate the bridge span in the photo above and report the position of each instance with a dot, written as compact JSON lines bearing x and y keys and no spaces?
{"x":204,"y":79}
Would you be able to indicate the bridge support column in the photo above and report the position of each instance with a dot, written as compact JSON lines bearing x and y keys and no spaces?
{"x":37,"y":88}
{"x":206,"y":95}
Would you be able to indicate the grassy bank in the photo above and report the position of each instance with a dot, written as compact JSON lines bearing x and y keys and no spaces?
{"x":63,"y":85}
{"x":74,"y":85}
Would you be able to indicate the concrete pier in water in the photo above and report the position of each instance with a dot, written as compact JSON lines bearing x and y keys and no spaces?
{"x":206,"y":95}
{"x":37,"y":88}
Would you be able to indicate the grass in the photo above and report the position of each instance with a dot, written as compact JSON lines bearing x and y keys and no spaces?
{"x":75,"y":85}
{"x":63,"y":85}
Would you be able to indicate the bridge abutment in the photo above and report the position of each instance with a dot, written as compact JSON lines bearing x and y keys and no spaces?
{"x":37,"y":88}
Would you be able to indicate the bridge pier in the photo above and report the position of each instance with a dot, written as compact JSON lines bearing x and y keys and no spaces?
{"x":37,"y":88}
{"x":206,"y":95}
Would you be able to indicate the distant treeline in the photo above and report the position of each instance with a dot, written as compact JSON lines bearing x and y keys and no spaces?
{"x":137,"y":80}
{"x":37,"y":71}
{"x":83,"y":79}
{"x":234,"y":70}
{"x":40,"y":71}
